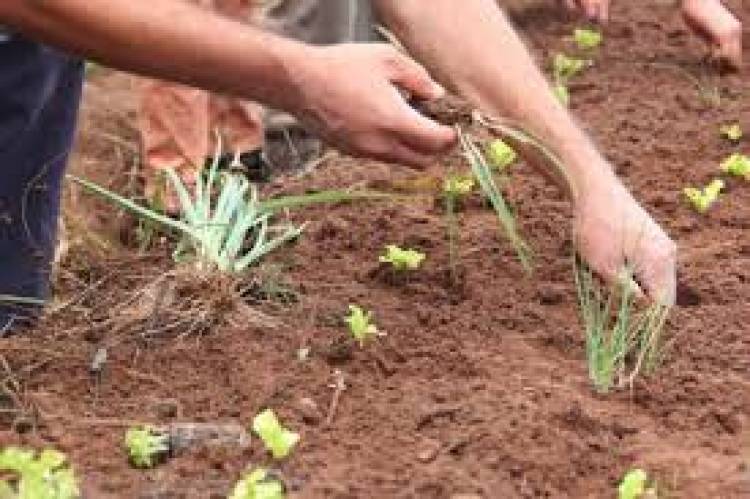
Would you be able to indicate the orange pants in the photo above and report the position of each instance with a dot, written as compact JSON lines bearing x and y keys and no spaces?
{"x":178,"y":123}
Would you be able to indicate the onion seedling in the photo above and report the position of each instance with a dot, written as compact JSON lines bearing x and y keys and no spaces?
{"x":277,"y":439}
{"x":587,"y":39}
{"x":361,"y":325}
{"x":454,"y":188}
{"x":483,"y":173}
{"x":258,"y":484}
{"x":620,"y":341}
{"x":224,"y":214}
{"x":636,"y":485}
{"x":43,"y":476}
{"x":737,"y":165}
{"x":702,"y":199}
{"x":146,"y":445}
{"x":500,"y":155}
{"x":402,"y":259}
{"x":731,"y":132}
{"x":457,"y":186}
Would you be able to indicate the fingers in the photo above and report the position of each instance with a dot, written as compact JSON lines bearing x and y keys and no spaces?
{"x":656,"y":270}
{"x":596,"y":10}
{"x":712,"y":21}
{"x":411,"y":76}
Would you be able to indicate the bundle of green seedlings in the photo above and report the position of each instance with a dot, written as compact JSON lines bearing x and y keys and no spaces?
{"x":623,"y":340}
{"x":24,"y":474}
{"x":225,"y":227}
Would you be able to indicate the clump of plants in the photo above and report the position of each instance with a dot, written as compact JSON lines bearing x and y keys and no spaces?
{"x":24,"y":474}
{"x":225,"y":227}
{"x":702,"y":199}
{"x":587,"y":38}
{"x":146,"y":446}
{"x":636,"y":485}
{"x":737,"y":165}
{"x":257,"y":484}
{"x":278,"y":440}
{"x":731,"y":132}
{"x":361,"y":325}
{"x":621,"y":340}
{"x":564,"y":68}
{"x":402,"y":260}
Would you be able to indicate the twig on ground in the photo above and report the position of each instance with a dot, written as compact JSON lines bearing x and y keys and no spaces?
{"x":339,"y":387}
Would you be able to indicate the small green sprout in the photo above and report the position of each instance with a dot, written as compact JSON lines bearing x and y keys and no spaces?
{"x":46,"y":476}
{"x":500,"y":155}
{"x":145,"y":445}
{"x":731,"y":131}
{"x":587,"y":39}
{"x":737,"y":165}
{"x":277,"y":439}
{"x":635,"y":485}
{"x":257,"y":485}
{"x":402,"y":259}
{"x":702,"y":199}
{"x":458,"y":185}
{"x":564,"y":67}
{"x":361,"y":325}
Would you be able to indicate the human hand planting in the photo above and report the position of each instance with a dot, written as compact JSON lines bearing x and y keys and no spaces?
{"x":594,"y":10}
{"x":352,"y":95}
{"x":614,"y":233}
{"x":711,"y":20}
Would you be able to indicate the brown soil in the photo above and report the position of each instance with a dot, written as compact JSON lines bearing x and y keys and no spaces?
{"x":480,"y":389}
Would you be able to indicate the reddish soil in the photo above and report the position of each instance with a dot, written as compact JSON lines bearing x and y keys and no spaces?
{"x":478,"y":390}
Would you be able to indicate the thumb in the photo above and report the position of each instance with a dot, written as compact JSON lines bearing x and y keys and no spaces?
{"x":412,"y":77}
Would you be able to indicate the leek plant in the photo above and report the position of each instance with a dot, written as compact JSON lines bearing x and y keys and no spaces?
{"x":621,"y":341}
{"x":224,"y":225}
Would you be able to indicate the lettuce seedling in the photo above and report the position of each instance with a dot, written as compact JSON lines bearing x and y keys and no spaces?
{"x":46,"y":476}
{"x":145,"y":445}
{"x":458,"y":185}
{"x":564,"y":67}
{"x":587,"y":39}
{"x":361,"y":325}
{"x":277,"y":439}
{"x":702,"y":199}
{"x":257,"y":485}
{"x":737,"y":165}
{"x":402,"y":259}
{"x":732,"y":132}
{"x":500,"y":155}
{"x":635,"y":485}
{"x":561,"y":93}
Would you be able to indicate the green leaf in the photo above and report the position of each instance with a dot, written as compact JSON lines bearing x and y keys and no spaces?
{"x":277,"y":439}
{"x":562,"y":94}
{"x":145,"y":445}
{"x":361,"y":325}
{"x":633,"y":485}
{"x":44,"y":477}
{"x":257,"y":485}
{"x":731,"y":131}
{"x":737,"y":165}
{"x":402,"y":259}
{"x":587,"y":39}
{"x":564,"y":67}
{"x":500,"y":155}
{"x":458,"y":185}
{"x":702,"y":199}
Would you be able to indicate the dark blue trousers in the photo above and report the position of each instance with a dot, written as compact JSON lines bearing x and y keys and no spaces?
{"x":40,"y":89}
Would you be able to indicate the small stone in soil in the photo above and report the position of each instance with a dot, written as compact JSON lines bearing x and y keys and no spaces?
{"x":309,"y":411}
{"x":429,"y":451}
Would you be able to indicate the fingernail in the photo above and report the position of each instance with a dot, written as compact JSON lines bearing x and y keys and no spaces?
{"x":438,"y":91}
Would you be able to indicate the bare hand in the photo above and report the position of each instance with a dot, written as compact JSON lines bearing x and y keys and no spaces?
{"x":594,"y":10}
{"x":718,"y":26}
{"x":615,"y":234}
{"x":351,"y":95}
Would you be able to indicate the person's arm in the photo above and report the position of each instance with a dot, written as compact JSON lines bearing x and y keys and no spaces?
{"x":347,"y":93}
{"x":489,"y":65}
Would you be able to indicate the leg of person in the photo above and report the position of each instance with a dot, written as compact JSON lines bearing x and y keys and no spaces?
{"x":239,"y":123}
{"x":174,"y":125}
{"x":40,"y":90}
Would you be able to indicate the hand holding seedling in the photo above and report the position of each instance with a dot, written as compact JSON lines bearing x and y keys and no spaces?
{"x":711,"y":20}
{"x":352,"y":96}
{"x":613,"y":232}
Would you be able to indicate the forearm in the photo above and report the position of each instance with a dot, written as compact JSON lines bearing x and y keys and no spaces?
{"x":167,"y":39}
{"x":489,"y":65}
